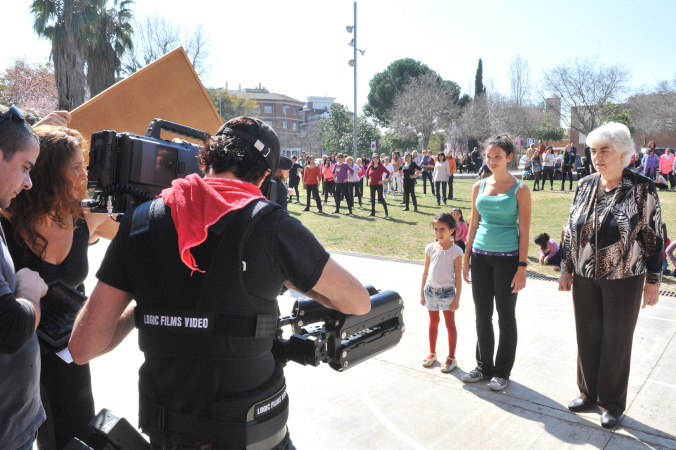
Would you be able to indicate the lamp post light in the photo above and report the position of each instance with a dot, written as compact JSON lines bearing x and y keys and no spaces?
{"x":353,"y":63}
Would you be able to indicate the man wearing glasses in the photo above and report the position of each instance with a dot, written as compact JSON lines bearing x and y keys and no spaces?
{"x":21,"y":411}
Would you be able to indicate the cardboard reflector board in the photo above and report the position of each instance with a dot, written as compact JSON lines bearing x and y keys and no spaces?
{"x":167,"y":88}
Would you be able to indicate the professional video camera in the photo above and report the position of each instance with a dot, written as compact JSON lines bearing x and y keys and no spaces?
{"x":128,"y":169}
{"x":341,"y":340}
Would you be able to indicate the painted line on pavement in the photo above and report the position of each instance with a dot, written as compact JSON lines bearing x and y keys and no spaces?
{"x":376,"y":412}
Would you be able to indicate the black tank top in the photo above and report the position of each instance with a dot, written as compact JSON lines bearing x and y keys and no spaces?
{"x":72,"y":270}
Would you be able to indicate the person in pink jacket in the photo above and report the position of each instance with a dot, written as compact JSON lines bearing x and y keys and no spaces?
{"x":667,"y":167}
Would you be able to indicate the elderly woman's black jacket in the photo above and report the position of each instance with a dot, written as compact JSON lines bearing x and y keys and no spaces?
{"x":627,"y":239}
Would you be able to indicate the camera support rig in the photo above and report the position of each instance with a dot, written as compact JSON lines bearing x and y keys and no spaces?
{"x":343,"y":340}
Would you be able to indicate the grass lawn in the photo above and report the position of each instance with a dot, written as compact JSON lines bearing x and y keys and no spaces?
{"x":405,"y":233}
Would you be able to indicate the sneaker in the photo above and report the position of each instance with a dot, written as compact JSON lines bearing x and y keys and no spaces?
{"x":431,"y":359}
{"x":473,"y":376}
{"x":394,"y":196}
{"x":498,"y":384}
{"x":451,"y":363}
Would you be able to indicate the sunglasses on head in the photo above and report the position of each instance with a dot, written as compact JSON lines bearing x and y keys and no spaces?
{"x":12,"y":112}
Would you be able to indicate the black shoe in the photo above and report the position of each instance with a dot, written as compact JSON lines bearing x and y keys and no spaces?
{"x":320,"y":210}
{"x":336,"y":212}
{"x":349,"y":212}
{"x":306,"y":209}
{"x":405,"y":209}
{"x":578,"y":404}
{"x":386,"y":216}
{"x":608,"y":420}
{"x":551,"y":188}
{"x":415,"y":209}
{"x":372,"y":214}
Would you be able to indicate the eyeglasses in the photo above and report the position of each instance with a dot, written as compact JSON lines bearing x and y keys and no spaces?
{"x":12,"y":112}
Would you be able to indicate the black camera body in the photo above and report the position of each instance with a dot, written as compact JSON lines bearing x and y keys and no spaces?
{"x":127,"y":169}
{"x":341,"y":340}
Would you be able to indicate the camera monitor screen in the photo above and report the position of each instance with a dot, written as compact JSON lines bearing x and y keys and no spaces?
{"x":59,"y":309}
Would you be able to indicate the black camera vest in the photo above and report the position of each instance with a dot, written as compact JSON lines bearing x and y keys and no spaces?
{"x":211,"y":316}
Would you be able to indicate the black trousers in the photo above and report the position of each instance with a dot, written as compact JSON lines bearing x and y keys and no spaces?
{"x":379,"y":189}
{"x":66,"y":391}
{"x":355,"y":190}
{"x":343,"y":190}
{"x":427,"y":176}
{"x":329,"y":188}
{"x":409,"y":193}
{"x":450,"y":188}
{"x":313,"y":190}
{"x":566,"y":173}
{"x":606,"y":312}
{"x":548,"y":172}
{"x":293,"y":184}
{"x":671,"y":178}
{"x":491,"y":285}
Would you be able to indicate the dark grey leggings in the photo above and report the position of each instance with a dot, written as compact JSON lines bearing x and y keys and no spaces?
{"x":491,"y":284}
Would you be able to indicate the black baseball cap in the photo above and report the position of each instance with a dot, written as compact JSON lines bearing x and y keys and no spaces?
{"x":259,"y":134}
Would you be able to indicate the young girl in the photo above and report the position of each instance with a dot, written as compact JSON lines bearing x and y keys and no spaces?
{"x":461,"y":228}
{"x":549,"y":250}
{"x":441,"y":287}
{"x":440,"y":175}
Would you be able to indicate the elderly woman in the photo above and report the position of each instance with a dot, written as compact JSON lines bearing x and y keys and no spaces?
{"x":613,"y":249}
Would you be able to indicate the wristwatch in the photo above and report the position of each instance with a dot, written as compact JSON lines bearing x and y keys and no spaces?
{"x":523,"y":264}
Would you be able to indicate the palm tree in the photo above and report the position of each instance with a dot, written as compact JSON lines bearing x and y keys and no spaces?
{"x":68,"y":24}
{"x":111,"y":38}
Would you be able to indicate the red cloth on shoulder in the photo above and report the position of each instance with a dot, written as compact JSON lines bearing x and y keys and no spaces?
{"x":197,"y":203}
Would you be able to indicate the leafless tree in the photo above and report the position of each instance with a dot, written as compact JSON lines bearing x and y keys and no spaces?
{"x":424,"y":106}
{"x":309,"y":139}
{"x":584,"y":86}
{"x":519,"y":81}
{"x":154,"y":37}
{"x":654,"y":109}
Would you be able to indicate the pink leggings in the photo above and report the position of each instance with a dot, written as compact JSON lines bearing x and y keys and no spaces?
{"x":449,"y":317}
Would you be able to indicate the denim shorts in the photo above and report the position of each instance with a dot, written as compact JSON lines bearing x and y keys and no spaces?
{"x":439,"y":299}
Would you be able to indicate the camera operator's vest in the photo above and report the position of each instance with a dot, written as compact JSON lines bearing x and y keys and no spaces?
{"x":212,"y":317}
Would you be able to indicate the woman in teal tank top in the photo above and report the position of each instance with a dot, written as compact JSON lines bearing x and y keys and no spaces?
{"x":496,"y":255}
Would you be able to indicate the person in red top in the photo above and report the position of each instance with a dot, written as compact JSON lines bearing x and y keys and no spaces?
{"x":542,"y":148}
{"x":311,"y":176}
{"x":375,"y":172}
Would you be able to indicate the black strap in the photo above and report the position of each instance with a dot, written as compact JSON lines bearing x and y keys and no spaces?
{"x":155,"y":418}
{"x":206,"y":323}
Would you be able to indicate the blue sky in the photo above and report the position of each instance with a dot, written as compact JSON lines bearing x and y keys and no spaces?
{"x":299,"y":48}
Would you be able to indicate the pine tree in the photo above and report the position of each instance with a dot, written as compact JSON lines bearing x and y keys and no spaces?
{"x":479,"y":88}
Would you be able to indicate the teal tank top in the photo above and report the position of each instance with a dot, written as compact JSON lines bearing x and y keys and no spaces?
{"x":498,"y":228}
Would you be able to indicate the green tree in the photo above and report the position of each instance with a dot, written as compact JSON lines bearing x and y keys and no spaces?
{"x":230,"y":106}
{"x":479,"y":88}
{"x":393,"y":140}
{"x":68,"y":24}
{"x":336,"y":132}
{"x":549,"y":131}
{"x":110,"y":39}
{"x":384,"y":87}
{"x":612,"y":112}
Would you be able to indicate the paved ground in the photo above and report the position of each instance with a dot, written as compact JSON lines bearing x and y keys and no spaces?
{"x":393,"y":402}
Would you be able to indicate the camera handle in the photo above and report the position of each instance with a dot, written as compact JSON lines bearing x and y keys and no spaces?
{"x":157,"y":125}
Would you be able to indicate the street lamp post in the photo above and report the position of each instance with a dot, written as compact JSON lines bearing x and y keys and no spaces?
{"x":353,"y":63}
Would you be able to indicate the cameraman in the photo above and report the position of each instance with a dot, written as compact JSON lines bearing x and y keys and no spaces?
{"x":207,"y":313}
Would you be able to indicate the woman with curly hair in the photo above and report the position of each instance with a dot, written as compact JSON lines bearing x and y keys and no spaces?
{"x":49,"y":232}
